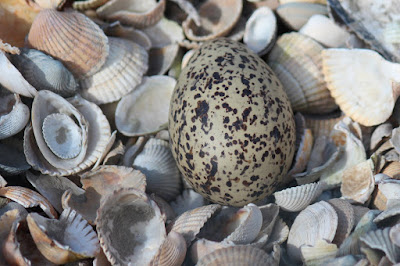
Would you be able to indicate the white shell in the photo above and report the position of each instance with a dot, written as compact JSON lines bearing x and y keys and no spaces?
{"x":298,"y":198}
{"x":379,"y":239}
{"x":14,"y":115}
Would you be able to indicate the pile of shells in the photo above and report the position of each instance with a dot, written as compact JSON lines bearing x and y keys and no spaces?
{"x":86,"y":171}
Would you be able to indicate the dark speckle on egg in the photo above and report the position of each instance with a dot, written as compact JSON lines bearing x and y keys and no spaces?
{"x":231,"y":125}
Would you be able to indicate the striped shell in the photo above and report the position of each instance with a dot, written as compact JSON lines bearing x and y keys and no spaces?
{"x":14,"y":115}
{"x":298,"y":198}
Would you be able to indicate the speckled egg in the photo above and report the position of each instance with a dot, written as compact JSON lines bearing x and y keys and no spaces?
{"x":231,"y":124}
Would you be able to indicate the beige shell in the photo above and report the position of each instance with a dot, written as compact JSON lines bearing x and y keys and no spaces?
{"x":380,"y":239}
{"x":161,"y":59}
{"x":115,"y":29}
{"x":298,"y":198}
{"x":217,"y":18}
{"x":144,"y":110}
{"x":296,"y":59}
{"x":14,"y":115}
{"x":236,"y":256}
{"x":51,"y":4}
{"x":136,"y":13}
{"x":72,"y":38}
{"x":88,"y":4}
{"x":164,"y":33}
{"x":28,"y":198}
{"x":296,"y":14}
{"x":202,"y":247}
{"x":322,"y":125}
{"x":125,"y":236}
{"x":65,"y":240}
{"x":172,"y":251}
{"x":121,"y":73}
{"x":380,"y":134}
{"x":93,"y":137}
{"x":6,"y":47}
{"x":321,"y":220}
{"x":346,"y":220}
{"x":318,"y":253}
{"x":367,"y":93}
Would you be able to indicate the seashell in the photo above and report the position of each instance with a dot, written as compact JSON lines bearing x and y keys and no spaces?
{"x":390,"y":214}
{"x":149,"y":100}
{"x":14,"y":115}
{"x":261,"y":30}
{"x":373,"y":255}
{"x":296,"y":14}
{"x":380,"y":133}
{"x":12,"y":158}
{"x":86,"y":204}
{"x":53,"y":187}
{"x":72,"y":38}
{"x":28,"y":198}
{"x":101,"y":260}
{"x":3,"y":182}
{"x":7,"y":48}
{"x":7,"y":221}
{"x":296,"y":59}
{"x":394,"y":235}
{"x":395,"y":139}
{"x":189,"y":10}
{"x":379,"y":239}
{"x":322,"y":125}
{"x":186,"y":201}
{"x":115,"y":29}
{"x":44,"y":72}
{"x":12,"y":80}
{"x":186,"y":57}
{"x":115,"y":154}
{"x":346,"y":219}
{"x":358,"y":182}
{"x":166,"y":210}
{"x":322,"y":2}
{"x":348,"y":260}
{"x":269,"y":216}
{"x":161,"y":59}
{"x":65,"y":240}
{"x":52,"y":4}
{"x":93,"y":138}
{"x":172,"y":251}
{"x":130,"y":209}
{"x":298,"y":198}
{"x":88,"y":4}
{"x":325,"y":31}
{"x":135,"y":13}
{"x":322,"y":222}
{"x":189,"y":223}
{"x":164,"y":32}
{"x":320,"y":252}
{"x":374,"y":103}
{"x":279,"y":234}
{"x":236,"y":255}
{"x":120,"y":74}
{"x":217,"y":18}
{"x":202,"y":247}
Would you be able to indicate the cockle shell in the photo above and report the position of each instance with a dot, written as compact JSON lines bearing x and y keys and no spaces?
{"x":298,"y":198}
{"x":137,"y":13}
{"x":322,"y":125}
{"x":14,"y":115}
{"x":120,"y":74}
{"x":368,"y":92}
{"x":379,"y":239}
{"x":72,"y":38}
{"x":65,"y":240}
{"x":172,"y":251}
{"x":217,"y":18}
{"x":88,"y":4}
{"x":130,"y":227}
{"x":186,"y":201}
{"x":202,"y":247}
{"x":115,"y":29}
{"x":164,"y":33}
{"x":161,"y":59}
{"x":45,"y":73}
{"x":346,"y":220}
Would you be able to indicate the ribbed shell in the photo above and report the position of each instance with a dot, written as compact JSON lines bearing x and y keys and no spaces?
{"x":296,"y":59}
{"x":236,"y":256}
{"x":298,"y":198}
{"x":186,"y":201}
{"x":45,"y":73}
{"x":121,"y":73}
{"x":14,"y":115}
{"x":72,"y":38}
{"x":158,"y":165}
{"x":172,"y":252}
{"x":346,"y":219}
{"x":88,"y":4}
{"x":380,"y":239}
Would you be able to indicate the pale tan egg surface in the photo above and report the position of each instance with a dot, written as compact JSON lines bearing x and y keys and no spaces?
{"x":231,"y":124}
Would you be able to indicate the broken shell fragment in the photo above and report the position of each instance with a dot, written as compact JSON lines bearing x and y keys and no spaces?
{"x":88,"y":4}
{"x":14,"y":115}
{"x":346,"y":220}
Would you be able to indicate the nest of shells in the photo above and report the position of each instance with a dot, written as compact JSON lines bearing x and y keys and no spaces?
{"x":87,"y":174}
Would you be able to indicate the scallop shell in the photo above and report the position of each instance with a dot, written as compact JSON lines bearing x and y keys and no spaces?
{"x":14,"y":115}
{"x":379,"y":239}
{"x":367,"y":93}
{"x":130,"y":227}
{"x":136,"y":13}
{"x":321,"y":222}
{"x":186,"y":201}
{"x":44,"y":72}
{"x":189,"y":223}
{"x":217,"y":18}
{"x":236,"y":256}
{"x":94,"y":127}
{"x":261,"y":30}
{"x":65,"y":240}
{"x":298,"y":198}
{"x":120,"y":74}
{"x":171,"y":252}
{"x":325,"y":31}
{"x":72,"y":38}
{"x":346,"y":219}
{"x":296,"y":60}
{"x":88,"y":4}
{"x":144,"y":110}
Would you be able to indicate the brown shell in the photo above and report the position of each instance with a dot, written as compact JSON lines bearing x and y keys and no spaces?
{"x":72,"y":38}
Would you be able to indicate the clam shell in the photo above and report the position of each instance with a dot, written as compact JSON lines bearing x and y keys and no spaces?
{"x":144,"y":110}
{"x":269,"y":217}
{"x":298,"y":198}
{"x":136,"y":13}
{"x":321,"y":251}
{"x":88,"y":4}
{"x":53,"y":4}
{"x":189,"y":223}
{"x":235,"y":256}
{"x":115,"y":29}
{"x":44,"y":72}
{"x":130,"y":227}
{"x":164,"y":33}
{"x":217,"y":18}
{"x":279,"y":234}
{"x":296,"y":14}
{"x":165,"y":208}
{"x":72,"y":38}
{"x":120,"y":74}
{"x":171,"y":252}
{"x":346,"y":219}
{"x":65,"y":240}
{"x":261,"y":29}
{"x":14,"y":115}
{"x":367,"y":93}
{"x":321,"y":222}
{"x":186,"y":201}
{"x":161,"y":59}
{"x":379,"y":239}
{"x":202,"y":247}
{"x":296,"y":60}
